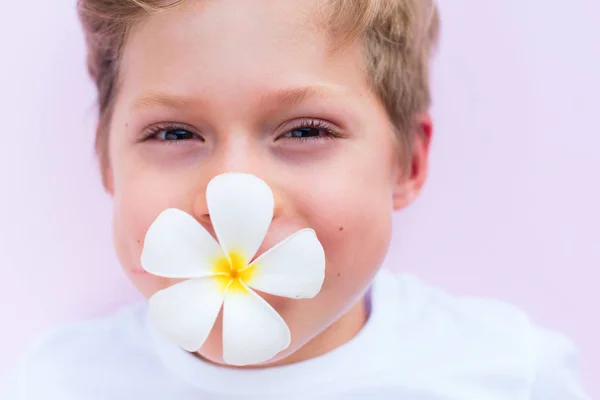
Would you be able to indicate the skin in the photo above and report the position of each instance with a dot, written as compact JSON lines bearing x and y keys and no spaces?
{"x":238,"y":79}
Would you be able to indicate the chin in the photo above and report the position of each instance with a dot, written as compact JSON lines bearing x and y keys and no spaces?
{"x":217,"y":359}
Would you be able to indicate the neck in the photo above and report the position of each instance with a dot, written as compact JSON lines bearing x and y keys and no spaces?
{"x":337,"y":334}
{"x":340,"y":332}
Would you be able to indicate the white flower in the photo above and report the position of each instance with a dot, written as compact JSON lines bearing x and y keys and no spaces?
{"x":177,"y":246}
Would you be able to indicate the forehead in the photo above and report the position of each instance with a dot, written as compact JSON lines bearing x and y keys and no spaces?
{"x":236,"y":44}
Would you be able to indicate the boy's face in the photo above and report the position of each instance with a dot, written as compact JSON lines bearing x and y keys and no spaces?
{"x":211,"y":87}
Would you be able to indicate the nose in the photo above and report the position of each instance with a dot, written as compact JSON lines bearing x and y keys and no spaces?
{"x":202,"y":214}
{"x":240,"y":157}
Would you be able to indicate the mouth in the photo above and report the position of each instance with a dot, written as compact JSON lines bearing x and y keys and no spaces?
{"x":276,"y":235}
{"x":139,"y":271}
{"x":273,"y":238}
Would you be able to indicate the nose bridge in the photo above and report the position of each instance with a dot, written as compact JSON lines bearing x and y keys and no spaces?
{"x":237,"y":153}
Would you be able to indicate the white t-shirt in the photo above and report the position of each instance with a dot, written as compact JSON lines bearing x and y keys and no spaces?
{"x":419,"y":343}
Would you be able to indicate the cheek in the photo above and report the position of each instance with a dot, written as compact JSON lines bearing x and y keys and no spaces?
{"x":131,"y":219}
{"x":136,"y":204}
{"x":349,"y":204}
{"x":356,"y":240}
{"x":353,"y":223}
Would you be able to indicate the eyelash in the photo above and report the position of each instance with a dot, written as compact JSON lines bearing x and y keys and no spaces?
{"x":153,"y":131}
{"x":329,"y":131}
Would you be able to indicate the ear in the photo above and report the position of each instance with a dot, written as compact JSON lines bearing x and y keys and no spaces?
{"x":107,"y":178}
{"x":409,"y":182}
{"x":104,"y":161}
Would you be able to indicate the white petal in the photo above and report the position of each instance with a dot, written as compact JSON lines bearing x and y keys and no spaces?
{"x":186,"y":312}
{"x":253,"y":332}
{"x":177,"y":246}
{"x":293,"y":268}
{"x":241,"y":209}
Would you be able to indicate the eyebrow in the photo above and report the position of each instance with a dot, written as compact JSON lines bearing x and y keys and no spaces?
{"x":295,"y":96}
{"x":284,"y":98}
{"x":158,"y":99}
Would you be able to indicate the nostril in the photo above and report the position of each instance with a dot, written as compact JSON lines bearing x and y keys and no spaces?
{"x":205,"y":218}
{"x":206,"y":222}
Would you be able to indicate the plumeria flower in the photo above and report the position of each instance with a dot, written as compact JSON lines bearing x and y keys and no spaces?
{"x":224,"y":274}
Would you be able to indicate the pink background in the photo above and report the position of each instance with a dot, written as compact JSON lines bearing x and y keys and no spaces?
{"x":510,"y":210}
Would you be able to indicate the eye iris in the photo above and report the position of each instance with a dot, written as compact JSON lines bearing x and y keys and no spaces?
{"x":305,"y":132}
{"x":178,"y":134}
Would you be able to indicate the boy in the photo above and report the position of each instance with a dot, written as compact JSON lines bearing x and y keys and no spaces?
{"x":327,"y":102}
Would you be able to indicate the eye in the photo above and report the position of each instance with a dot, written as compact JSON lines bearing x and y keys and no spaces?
{"x":175,"y":134}
{"x":310,"y":129}
{"x":171,"y":133}
{"x":304,"y":132}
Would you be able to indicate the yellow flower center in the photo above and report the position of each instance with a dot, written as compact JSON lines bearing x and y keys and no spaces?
{"x":232,"y":272}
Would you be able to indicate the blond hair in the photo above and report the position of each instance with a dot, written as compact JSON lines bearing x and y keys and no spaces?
{"x":398,"y":37}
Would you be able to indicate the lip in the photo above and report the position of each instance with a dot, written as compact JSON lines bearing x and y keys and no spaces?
{"x":273,"y":237}
{"x":276,"y":235}
{"x":139,"y":271}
